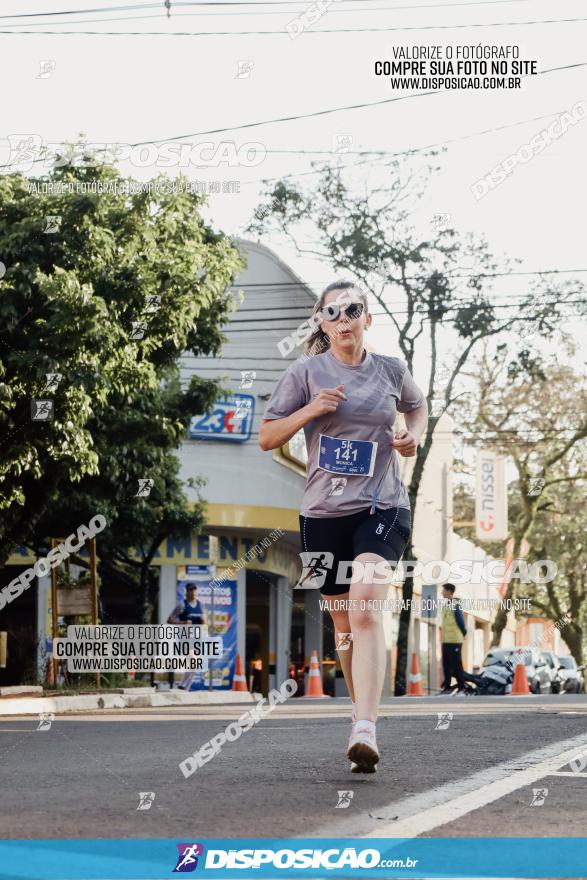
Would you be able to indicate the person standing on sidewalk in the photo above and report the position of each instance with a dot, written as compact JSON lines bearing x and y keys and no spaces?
{"x":453,"y":633}
{"x":190,"y":613}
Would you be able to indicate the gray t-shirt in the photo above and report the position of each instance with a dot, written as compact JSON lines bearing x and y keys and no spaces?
{"x":344,"y":477}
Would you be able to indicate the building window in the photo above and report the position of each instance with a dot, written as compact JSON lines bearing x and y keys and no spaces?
{"x":294,"y":454}
{"x":296,"y":449}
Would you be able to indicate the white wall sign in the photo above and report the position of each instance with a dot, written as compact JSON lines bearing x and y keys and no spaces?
{"x":491,"y":512}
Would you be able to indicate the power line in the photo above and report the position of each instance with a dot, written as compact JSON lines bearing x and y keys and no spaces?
{"x":268,"y":121}
{"x":287,"y":328}
{"x":177,"y":3}
{"x":410,"y":151}
{"x":424,"y":311}
{"x":314,"y":114}
{"x":84,"y":11}
{"x":413,"y":277}
{"x":217,"y":14}
{"x":506,"y":434}
{"x":389,"y":304}
{"x":389,"y":153}
{"x":263,"y":329}
{"x":417,"y":310}
{"x":308,"y":31}
{"x":232,"y":12}
{"x":351,"y":165}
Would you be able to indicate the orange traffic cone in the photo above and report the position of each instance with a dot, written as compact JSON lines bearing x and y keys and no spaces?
{"x":415,"y":688}
{"x":239,"y":682}
{"x":314,"y":688}
{"x":520,"y":685}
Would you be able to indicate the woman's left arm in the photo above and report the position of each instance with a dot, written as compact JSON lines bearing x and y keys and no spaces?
{"x":406,"y":442}
{"x":413,"y":405}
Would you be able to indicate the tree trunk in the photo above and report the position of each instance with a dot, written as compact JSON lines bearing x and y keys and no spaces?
{"x":145,"y":609}
{"x":400,"y":688}
{"x":572,"y":635}
{"x":501,"y":617}
{"x":401,"y":667}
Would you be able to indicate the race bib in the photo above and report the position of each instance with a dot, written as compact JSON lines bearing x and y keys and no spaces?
{"x":353,"y":458}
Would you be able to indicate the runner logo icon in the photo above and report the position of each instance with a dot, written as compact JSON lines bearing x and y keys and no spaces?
{"x":187,"y":860}
{"x":315,"y":567}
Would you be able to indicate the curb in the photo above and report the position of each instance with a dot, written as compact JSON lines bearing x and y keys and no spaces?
{"x":21,"y":689}
{"x":131,"y":698}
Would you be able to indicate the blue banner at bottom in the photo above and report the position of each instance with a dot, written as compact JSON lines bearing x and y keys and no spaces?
{"x":272,"y":858}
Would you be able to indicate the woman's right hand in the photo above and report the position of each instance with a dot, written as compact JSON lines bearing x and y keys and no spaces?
{"x":277,"y":432}
{"x":326,"y":401}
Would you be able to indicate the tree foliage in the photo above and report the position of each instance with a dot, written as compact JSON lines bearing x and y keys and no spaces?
{"x":536,"y":417}
{"x":109,"y":302}
{"x":444,"y":282}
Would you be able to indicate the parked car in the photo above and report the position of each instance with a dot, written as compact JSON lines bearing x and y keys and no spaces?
{"x":538,"y":671}
{"x":554,"y":667}
{"x":573,"y":680}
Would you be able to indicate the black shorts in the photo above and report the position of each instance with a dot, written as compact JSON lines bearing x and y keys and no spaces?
{"x":386,"y":532}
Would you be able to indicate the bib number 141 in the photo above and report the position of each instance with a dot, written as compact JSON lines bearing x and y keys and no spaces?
{"x":354,"y":458}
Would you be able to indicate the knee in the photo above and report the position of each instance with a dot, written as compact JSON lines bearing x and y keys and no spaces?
{"x":341,"y":621}
{"x":364,"y":619}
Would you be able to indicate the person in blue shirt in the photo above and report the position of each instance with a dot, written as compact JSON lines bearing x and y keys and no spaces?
{"x":190,"y":612}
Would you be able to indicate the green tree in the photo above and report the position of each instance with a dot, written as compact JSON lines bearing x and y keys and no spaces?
{"x":109,"y":302}
{"x":134,"y":443}
{"x":559,"y":535}
{"x":534,"y":413}
{"x":434,"y":289}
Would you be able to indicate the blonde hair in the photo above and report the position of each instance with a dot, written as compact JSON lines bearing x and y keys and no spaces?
{"x":319,"y":341}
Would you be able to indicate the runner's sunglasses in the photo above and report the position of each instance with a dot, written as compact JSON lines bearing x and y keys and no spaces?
{"x":332,"y":311}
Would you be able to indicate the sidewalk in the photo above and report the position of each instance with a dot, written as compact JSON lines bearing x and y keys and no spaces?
{"x":33,"y":702}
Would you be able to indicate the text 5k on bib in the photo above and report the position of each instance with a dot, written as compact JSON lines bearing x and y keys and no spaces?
{"x":352,"y":458}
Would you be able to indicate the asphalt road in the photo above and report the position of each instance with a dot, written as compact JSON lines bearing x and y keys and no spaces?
{"x":475,"y":776}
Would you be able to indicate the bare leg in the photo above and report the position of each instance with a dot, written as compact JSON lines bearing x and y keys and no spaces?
{"x":342,"y":629}
{"x":369,"y":653}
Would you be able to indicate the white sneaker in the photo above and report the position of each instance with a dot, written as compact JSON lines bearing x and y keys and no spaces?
{"x":355,"y":768}
{"x":362,"y":750}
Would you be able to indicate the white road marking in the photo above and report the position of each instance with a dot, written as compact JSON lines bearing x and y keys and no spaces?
{"x":18,"y":730}
{"x":569,"y":773}
{"x":439,"y":806}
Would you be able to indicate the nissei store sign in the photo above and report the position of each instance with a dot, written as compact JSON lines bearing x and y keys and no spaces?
{"x":491,"y":515}
{"x":230,"y":419}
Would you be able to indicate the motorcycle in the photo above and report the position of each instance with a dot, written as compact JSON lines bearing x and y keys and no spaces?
{"x":494,"y":680}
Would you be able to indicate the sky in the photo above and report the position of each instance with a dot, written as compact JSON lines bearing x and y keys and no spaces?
{"x":142,"y":88}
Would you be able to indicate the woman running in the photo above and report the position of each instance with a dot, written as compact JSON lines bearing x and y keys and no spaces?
{"x":355,"y":505}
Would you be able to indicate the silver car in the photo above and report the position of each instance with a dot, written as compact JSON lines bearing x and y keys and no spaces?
{"x":537,"y":669}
